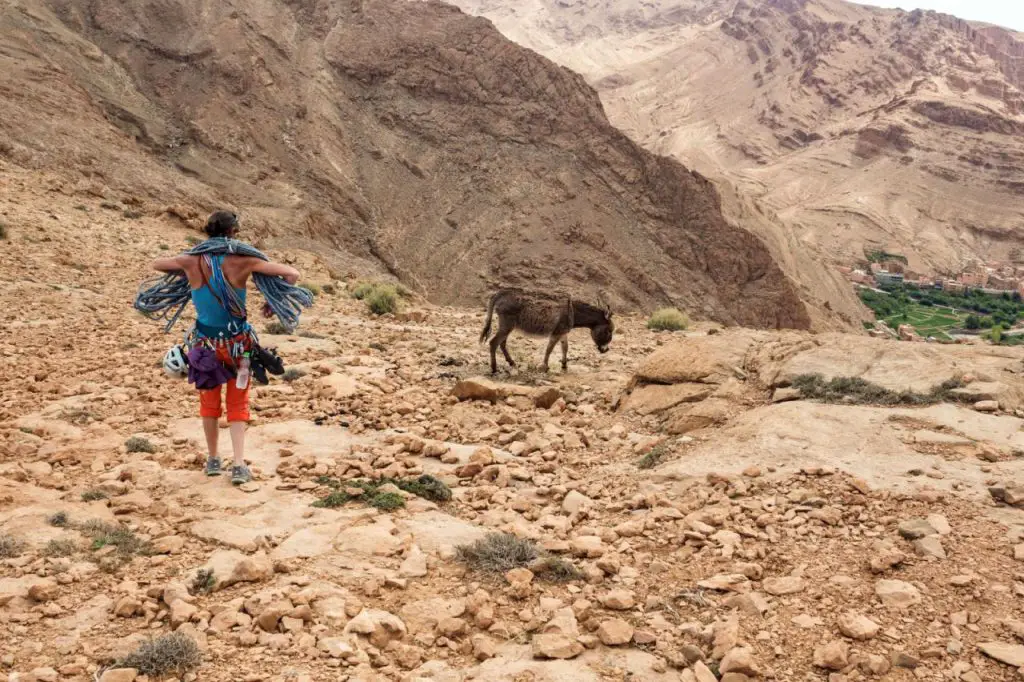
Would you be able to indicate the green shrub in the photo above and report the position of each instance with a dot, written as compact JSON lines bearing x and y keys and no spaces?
{"x":857,"y":391}
{"x":382,"y":300}
{"x":387,"y":501}
{"x":426,"y":486}
{"x":668,"y":319}
{"x":314,"y":289}
{"x":203,"y":581}
{"x":127,"y":542}
{"x":653,"y":456}
{"x":337,"y":498}
{"x":172,"y":653}
{"x":362,"y":289}
{"x":93,"y":494}
{"x":139,"y":444}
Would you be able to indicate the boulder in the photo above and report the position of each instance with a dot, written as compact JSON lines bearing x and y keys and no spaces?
{"x":832,"y":656}
{"x":230,"y":567}
{"x":380,"y":627}
{"x":784,"y":585}
{"x":856,"y":626}
{"x":414,"y":565}
{"x":615,"y":632}
{"x":916,"y":528}
{"x":739,"y":660}
{"x":897,"y":594}
{"x":618,"y":600}
{"x":555,"y":645}
{"x":477,"y":389}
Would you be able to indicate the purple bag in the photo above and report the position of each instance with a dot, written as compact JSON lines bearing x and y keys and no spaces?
{"x":206,"y":370}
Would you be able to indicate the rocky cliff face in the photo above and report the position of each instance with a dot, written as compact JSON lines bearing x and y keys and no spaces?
{"x":851,"y":127}
{"x":404,"y":134}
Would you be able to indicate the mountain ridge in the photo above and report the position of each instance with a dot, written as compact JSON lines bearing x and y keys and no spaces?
{"x":902,"y":123}
{"x":404,"y":135}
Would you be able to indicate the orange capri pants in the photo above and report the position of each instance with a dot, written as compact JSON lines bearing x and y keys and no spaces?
{"x":237,"y":398}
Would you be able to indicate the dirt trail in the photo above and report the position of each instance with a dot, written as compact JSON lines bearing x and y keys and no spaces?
{"x":766,"y":543}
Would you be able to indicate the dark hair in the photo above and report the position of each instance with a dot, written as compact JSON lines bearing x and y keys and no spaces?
{"x":221,"y":224}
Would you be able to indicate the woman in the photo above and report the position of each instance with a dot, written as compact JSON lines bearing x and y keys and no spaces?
{"x":222,"y":336}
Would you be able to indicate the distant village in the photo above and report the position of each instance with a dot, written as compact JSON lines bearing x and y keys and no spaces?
{"x":998,"y":279}
{"x":992,"y":277}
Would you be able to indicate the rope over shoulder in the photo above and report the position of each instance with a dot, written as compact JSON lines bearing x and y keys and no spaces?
{"x":165,"y":297}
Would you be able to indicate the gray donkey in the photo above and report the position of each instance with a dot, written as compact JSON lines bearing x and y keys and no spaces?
{"x":542,"y":314}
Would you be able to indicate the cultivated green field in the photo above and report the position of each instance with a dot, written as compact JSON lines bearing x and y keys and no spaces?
{"x":929,"y":320}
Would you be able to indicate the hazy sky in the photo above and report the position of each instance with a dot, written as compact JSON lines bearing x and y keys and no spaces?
{"x":1009,"y":13}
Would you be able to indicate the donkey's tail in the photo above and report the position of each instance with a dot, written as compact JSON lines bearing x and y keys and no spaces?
{"x":490,"y":317}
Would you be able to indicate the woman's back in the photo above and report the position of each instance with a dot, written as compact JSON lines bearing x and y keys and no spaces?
{"x":219,"y":301}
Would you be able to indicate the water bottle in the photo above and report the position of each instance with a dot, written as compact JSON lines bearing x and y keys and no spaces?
{"x":242,"y":380}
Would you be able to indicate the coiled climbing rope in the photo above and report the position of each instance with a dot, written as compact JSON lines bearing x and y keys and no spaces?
{"x":165,"y":297}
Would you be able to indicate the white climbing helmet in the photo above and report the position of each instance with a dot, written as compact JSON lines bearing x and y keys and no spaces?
{"x":175,"y":363}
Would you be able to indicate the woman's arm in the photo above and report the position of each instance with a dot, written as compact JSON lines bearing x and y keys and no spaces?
{"x":290,"y":274}
{"x":171,"y":264}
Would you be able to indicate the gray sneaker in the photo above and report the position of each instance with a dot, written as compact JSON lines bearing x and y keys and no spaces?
{"x":240,"y":474}
{"x":213,"y":466}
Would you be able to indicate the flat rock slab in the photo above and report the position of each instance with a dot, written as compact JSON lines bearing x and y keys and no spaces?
{"x":264,"y":442}
{"x":804,"y":433}
{"x":376,"y":538}
{"x":436,"y":530}
{"x":278,"y":518}
{"x":1010,"y":654}
{"x":935,"y":438}
{"x":514,"y":663}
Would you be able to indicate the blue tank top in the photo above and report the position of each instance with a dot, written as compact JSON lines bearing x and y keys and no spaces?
{"x":212,"y":317}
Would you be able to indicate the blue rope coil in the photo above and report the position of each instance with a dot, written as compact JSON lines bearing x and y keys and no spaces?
{"x":166,"y":297}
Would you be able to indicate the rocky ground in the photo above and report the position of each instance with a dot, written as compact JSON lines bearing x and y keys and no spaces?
{"x":707,"y":522}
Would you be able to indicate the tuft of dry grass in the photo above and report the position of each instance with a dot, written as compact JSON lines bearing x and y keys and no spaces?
{"x":171,"y":653}
{"x":668,"y":320}
{"x":10,"y":546}
{"x":498,"y":553}
{"x":139,"y":444}
{"x":60,"y":548}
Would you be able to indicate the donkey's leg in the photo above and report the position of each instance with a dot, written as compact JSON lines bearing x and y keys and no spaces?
{"x":547,"y":354}
{"x":499,"y":341}
{"x":504,"y":350}
{"x":565,"y":353}
{"x":494,"y":352}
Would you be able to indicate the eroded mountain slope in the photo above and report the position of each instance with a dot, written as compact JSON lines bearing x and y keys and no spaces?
{"x":405,"y":134}
{"x":851,"y":127}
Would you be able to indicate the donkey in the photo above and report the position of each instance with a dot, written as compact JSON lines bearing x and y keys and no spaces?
{"x":542,"y":314}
